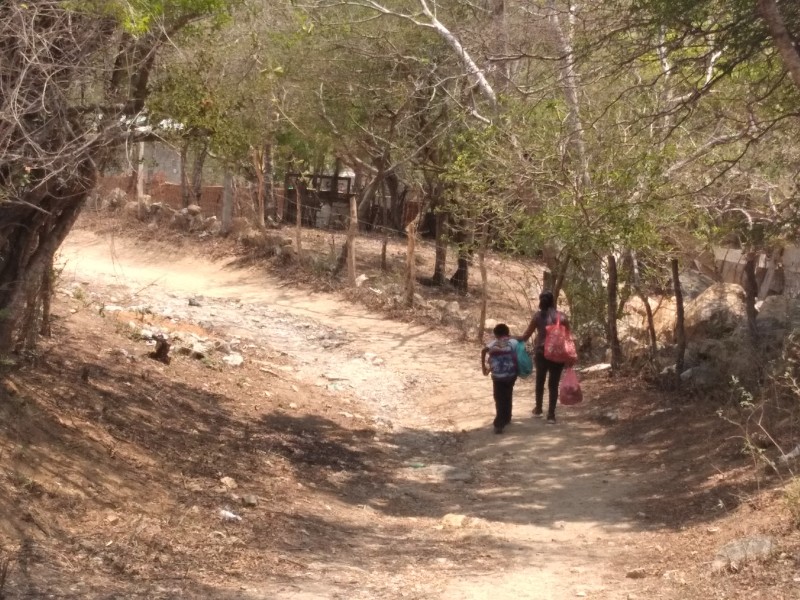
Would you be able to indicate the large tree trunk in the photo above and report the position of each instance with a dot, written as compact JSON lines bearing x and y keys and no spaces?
{"x":751,"y":295}
{"x":185,"y":196}
{"x":680,"y":326}
{"x":269,"y":209}
{"x":786,"y":45}
{"x":398,"y":200}
{"x":611,"y":327}
{"x":411,"y":265}
{"x":227,"y":202}
{"x":142,"y":209}
{"x":464,"y":239}
{"x":259,"y":168}
{"x":30,"y":239}
{"x":636,"y":283}
{"x":197,"y":172}
{"x":351,"y":241}
{"x":440,"y":261}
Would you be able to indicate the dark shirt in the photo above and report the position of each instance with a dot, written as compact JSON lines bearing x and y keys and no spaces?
{"x":539,"y":324}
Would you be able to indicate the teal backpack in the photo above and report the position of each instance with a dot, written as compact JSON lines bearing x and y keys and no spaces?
{"x":524,"y":362}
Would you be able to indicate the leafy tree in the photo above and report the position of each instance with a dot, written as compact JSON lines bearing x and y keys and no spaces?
{"x":73,"y":78}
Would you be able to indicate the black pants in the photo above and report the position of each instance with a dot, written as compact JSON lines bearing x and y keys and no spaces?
{"x":503,"y":393}
{"x":544,"y":368}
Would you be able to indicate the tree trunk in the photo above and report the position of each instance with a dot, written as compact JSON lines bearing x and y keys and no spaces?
{"x":185,"y":197}
{"x":385,"y":232}
{"x":680,"y":326}
{"x":558,"y":283}
{"x":351,"y":241}
{"x":464,"y":239}
{"x":440,"y":262}
{"x":142,"y":209}
{"x":751,"y":295}
{"x":637,"y":287}
{"x":258,"y":166}
{"x":29,"y":254}
{"x":484,"y":279}
{"x":411,"y":265}
{"x":298,"y":203}
{"x":227,"y":202}
{"x":269,"y":209}
{"x":197,"y":172}
{"x":398,"y":200}
{"x":611,"y":326}
{"x":786,"y":45}
{"x":46,"y":299}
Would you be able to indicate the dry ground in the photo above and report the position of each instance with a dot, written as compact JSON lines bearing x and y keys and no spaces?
{"x":365,"y":444}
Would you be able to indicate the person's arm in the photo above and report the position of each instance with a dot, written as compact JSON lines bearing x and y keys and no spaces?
{"x":528,"y":332}
{"x":484,"y":368}
{"x":564,"y":320}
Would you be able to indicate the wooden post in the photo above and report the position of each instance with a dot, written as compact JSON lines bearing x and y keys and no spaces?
{"x":351,"y":241}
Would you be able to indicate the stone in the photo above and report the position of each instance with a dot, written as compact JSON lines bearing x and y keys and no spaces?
{"x":359,"y":280}
{"x":439,"y":473}
{"x":197,"y":350}
{"x":250,"y":500}
{"x":598,"y":368}
{"x":194,"y":302}
{"x":419,"y":300}
{"x":9,"y":387}
{"x":229,"y":483}
{"x":116,"y":198}
{"x":193,"y":210}
{"x":610,"y":416}
{"x":715,"y":313}
{"x":454,"y":521}
{"x":233,"y":360}
{"x":694,"y":283}
{"x":736,"y":554}
{"x":638,"y":573}
{"x":453,"y":308}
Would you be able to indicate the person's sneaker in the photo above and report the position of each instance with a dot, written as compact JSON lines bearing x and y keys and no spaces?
{"x":537,"y":413}
{"x":498,"y":429}
{"x":551,"y":420}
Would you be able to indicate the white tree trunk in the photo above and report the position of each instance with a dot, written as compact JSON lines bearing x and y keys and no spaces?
{"x":780,"y":35}
{"x":472,"y":69}
{"x":571,"y":85}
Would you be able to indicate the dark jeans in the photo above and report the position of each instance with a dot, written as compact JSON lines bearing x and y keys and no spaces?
{"x":503,"y":392}
{"x":543,"y":368}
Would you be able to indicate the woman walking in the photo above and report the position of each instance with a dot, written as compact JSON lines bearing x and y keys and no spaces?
{"x":546,"y":370}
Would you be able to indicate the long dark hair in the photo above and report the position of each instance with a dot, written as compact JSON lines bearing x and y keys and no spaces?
{"x":546,"y":301}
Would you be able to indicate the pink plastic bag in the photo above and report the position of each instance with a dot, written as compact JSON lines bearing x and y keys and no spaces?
{"x":569,"y":390}
{"x":558,"y":344}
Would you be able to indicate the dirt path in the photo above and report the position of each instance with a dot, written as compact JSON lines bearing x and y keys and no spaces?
{"x":541,"y":509}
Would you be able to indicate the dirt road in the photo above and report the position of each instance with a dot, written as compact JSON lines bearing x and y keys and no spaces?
{"x":541,"y":509}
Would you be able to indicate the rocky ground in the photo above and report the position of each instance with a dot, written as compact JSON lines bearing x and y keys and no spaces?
{"x":298,"y":446}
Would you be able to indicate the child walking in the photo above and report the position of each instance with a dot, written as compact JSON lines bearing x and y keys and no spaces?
{"x":502,"y":364}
